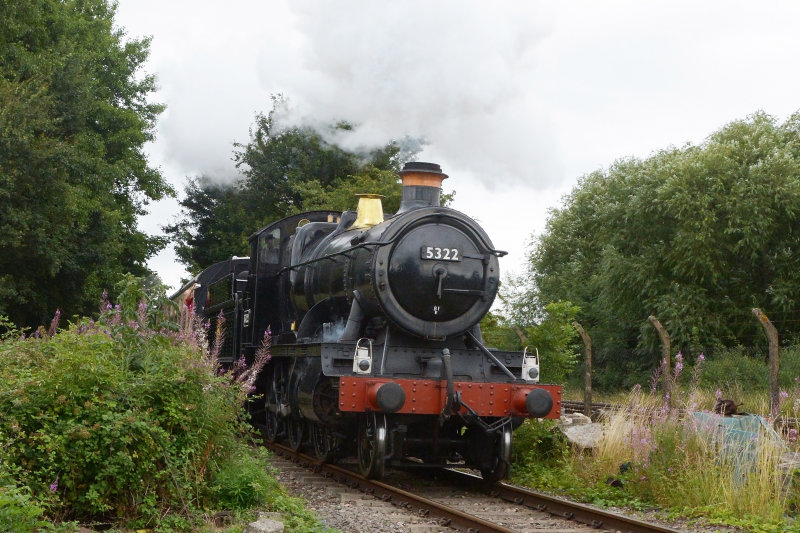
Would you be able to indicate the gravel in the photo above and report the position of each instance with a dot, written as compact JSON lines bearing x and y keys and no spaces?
{"x":349,"y":510}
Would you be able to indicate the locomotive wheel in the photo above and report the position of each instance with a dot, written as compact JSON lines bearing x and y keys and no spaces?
{"x":272,"y":421}
{"x":271,"y":427}
{"x":372,"y":445}
{"x":295,"y":429}
{"x":498,"y":466}
{"x":322,"y":441}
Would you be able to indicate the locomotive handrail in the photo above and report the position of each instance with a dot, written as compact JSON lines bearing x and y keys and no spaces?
{"x":331,"y":256}
{"x":498,"y":253}
{"x":493,"y":251}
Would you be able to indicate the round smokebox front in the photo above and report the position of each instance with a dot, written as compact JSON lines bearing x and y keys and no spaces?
{"x":441,"y":283}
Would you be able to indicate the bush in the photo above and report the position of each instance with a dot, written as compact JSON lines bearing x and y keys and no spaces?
{"x":18,"y":511}
{"x":790,"y":366}
{"x":107,"y":423}
{"x":734,"y":368}
{"x":242,"y":482}
{"x":538,"y":441}
{"x":115,"y":421}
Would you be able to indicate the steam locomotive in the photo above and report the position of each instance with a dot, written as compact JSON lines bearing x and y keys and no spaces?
{"x":376,"y":348}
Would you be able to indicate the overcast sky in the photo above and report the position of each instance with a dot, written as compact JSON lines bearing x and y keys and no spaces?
{"x":516,"y":100}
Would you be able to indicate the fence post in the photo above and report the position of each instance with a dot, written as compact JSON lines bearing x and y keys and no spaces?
{"x":665,"y":351}
{"x":774,"y":362}
{"x":587,"y":373}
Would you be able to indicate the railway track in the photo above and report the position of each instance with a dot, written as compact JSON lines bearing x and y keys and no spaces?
{"x":577,"y":406}
{"x":446,"y":500}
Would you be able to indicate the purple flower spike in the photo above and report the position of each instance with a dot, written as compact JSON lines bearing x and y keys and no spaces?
{"x":54,"y":486}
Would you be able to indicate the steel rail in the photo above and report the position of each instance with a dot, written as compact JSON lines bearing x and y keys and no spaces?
{"x":559,"y":507}
{"x":451,"y":517}
{"x":425,"y":507}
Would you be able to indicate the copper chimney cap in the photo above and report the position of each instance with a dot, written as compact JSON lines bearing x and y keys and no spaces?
{"x":421,"y":174}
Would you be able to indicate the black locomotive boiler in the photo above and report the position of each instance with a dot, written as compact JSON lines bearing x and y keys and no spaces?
{"x":377,"y":351}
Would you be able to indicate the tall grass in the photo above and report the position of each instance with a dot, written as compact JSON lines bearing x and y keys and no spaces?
{"x":657,"y":453}
{"x":676,"y":462}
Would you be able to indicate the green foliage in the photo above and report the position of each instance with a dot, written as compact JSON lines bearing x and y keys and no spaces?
{"x":284,"y":171}
{"x":539,"y":441}
{"x":696,"y":236}
{"x":144,"y":301}
{"x":554,"y":337}
{"x":74,"y":118}
{"x":734,"y":368}
{"x":113,"y":432}
{"x":242,"y":482}
{"x":216,"y":222}
{"x":18,"y":512}
{"x":341,"y":194}
{"x":112,"y":420}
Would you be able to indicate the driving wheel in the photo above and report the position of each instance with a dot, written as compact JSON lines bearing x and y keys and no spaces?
{"x":295,"y":429}
{"x":272,"y":403}
{"x":497,"y":466}
{"x":372,"y":445}
{"x":323,"y":442}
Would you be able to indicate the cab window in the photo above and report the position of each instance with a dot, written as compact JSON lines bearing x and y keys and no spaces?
{"x":269,"y":247}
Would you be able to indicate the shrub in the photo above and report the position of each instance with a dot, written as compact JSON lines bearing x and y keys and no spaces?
{"x":734,"y":368}
{"x":538,"y":441}
{"x":18,"y":511}
{"x":104,"y":427}
{"x":115,"y":420}
{"x":241,"y":481}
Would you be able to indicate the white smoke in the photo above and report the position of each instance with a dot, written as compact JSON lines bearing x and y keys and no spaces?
{"x":457,"y":74}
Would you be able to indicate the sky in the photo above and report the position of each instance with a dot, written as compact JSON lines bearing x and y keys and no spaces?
{"x":516,"y":100}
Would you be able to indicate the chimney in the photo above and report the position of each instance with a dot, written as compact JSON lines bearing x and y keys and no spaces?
{"x":422,"y":185}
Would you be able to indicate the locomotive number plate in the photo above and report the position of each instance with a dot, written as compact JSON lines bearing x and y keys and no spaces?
{"x":440,"y":254}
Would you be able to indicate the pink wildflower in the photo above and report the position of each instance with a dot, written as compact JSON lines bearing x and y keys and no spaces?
{"x":54,"y":324}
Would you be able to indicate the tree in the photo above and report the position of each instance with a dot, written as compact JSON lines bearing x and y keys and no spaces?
{"x":696,"y":236}
{"x":215,"y":223}
{"x":284,"y":171}
{"x":74,"y":118}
